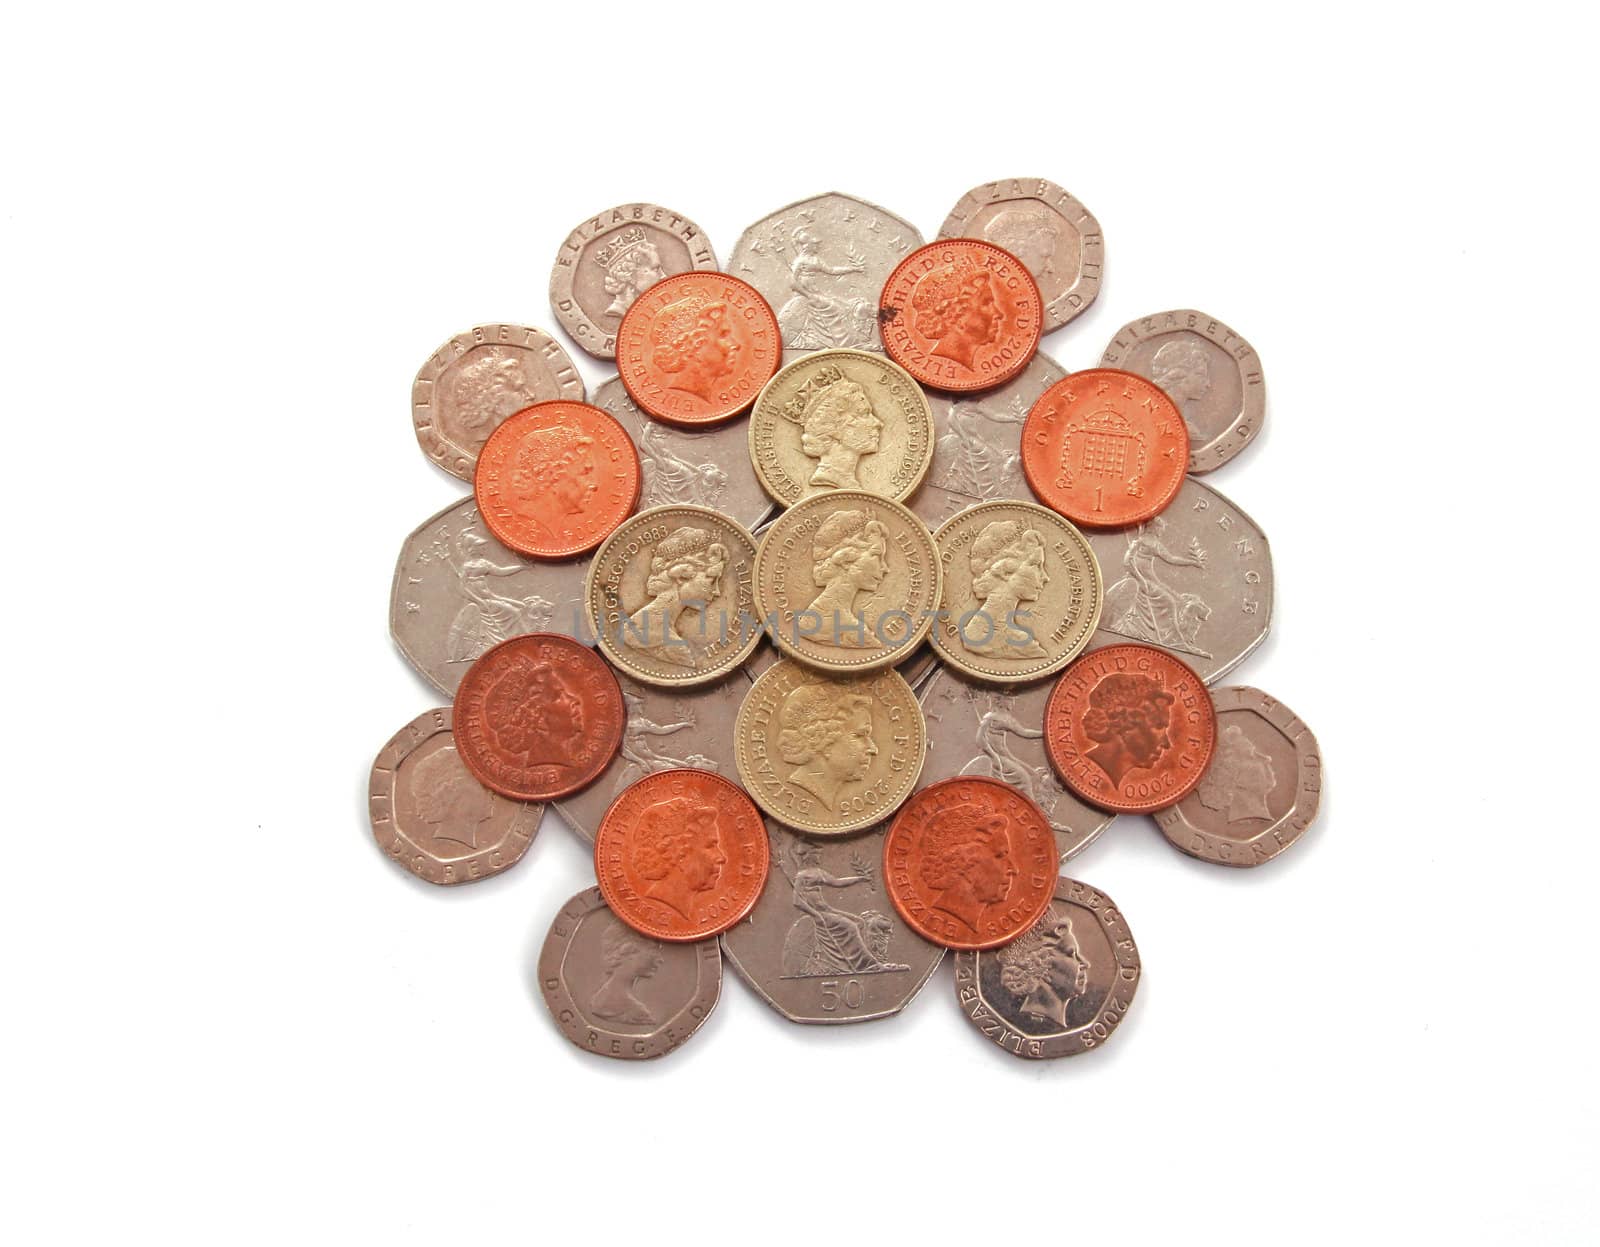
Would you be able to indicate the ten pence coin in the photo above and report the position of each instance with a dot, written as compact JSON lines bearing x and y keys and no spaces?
{"x":961,"y":315}
{"x":970,"y":863}
{"x":681,"y":855}
{"x":1130,"y":728}
{"x":538,"y":717}
{"x":696,"y":349}
{"x":555,"y":479}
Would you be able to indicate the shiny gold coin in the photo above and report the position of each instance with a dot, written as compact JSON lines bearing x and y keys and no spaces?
{"x":847,"y":581}
{"x":827,"y":755}
{"x":836,"y":420}
{"x":670,"y":595}
{"x":1021,"y":594}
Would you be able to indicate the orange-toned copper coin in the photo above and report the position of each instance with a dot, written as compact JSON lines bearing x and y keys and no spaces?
{"x":1130,"y":728}
{"x":961,"y":315}
{"x":970,"y":862}
{"x":1105,"y":448}
{"x":539,"y":717}
{"x":555,"y":479}
{"x":695,"y":349}
{"x":681,"y":855}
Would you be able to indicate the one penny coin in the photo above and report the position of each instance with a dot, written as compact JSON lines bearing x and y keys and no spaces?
{"x":681,"y":855}
{"x":556,"y":479}
{"x":1130,"y":728}
{"x":695,"y":349}
{"x":538,"y":717}
{"x":1105,"y":448}
{"x":961,"y":315}
{"x":970,"y":862}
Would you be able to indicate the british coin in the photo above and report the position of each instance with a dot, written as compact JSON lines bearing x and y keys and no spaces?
{"x":671,"y":594}
{"x":827,"y":755}
{"x":1021,"y":592}
{"x":823,"y":943}
{"x":430,"y":814}
{"x":1061,"y":988}
{"x":847,"y":581}
{"x":841,"y":419}
{"x":477,"y":379}
{"x":999,"y":733}
{"x":666,"y":729}
{"x":612,"y":258}
{"x":820,"y":263}
{"x":977,"y":450}
{"x":1261,"y":790}
{"x":458,"y":592}
{"x":617,"y":993}
{"x":1195,"y":580}
{"x":1212,"y":373}
{"x":707,"y":467}
{"x":1044,"y":227}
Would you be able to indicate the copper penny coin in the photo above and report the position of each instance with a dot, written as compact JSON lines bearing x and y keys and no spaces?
{"x":1105,"y":448}
{"x":538,"y":717}
{"x":681,"y":855}
{"x":695,"y":349}
{"x":961,"y":315}
{"x":970,"y":862}
{"x":1130,"y":728}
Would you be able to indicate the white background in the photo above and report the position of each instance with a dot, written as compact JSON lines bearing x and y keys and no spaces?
{"x":232,"y":233}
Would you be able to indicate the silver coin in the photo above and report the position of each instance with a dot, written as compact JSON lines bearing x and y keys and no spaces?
{"x":822,"y":263}
{"x":1195,"y":580}
{"x":612,"y":258}
{"x":457,"y":592}
{"x":707,"y":467}
{"x":433,"y":817}
{"x":824,"y":943}
{"x":667,"y":728}
{"x":998,"y":733}
{"x":1212,"y":373}
{"x":477,"y":379}
{"x":1054,"y":236}
{"x":620,"y":994}
{"x":1060,"y":988}
{"x":1261,"y":790}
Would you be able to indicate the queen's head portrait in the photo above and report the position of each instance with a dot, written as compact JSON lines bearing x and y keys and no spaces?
{"x":531,"y":713}
{"x":849,"y":557}
{"x":676,"y":851}
{"x":1046,"y":969}
{"x":552,"y":475}
{"x":1030,"y":234}
{"x":694,"y":343}
{"x":1182,"y":368}
{"x":628,"y":959}
{"x":1239,"y":778}
{"x":448,"y":799}
{"x":631,"y":264}
{"x":1008,"y":572}
{"x":1127,"y":718}
{"x":956,"y":309}
{"x":826,"y":734}
{"x":966,"y":862}
{"x":685,"y":573}
{"x":487,"y":387}
{"x":837,"y":426}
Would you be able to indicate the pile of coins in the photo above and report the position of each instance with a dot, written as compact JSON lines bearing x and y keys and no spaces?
{"x":838,"y":620}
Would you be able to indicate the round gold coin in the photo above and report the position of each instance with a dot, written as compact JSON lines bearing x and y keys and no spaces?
{"x":1021,"y":594}
{"x":841,"y":419}
{"x":847,"y":581}
{"x":670,"y":594}
{"x":829,"y":755}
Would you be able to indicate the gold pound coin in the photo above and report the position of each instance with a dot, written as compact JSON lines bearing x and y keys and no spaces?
{"x":829,"y":755}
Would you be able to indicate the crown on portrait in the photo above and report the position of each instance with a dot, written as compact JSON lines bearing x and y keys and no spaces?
{"x":794,"y":411}
{"x":624,"y":243}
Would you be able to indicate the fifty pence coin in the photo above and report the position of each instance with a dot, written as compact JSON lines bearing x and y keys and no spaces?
{"x":841,"y":420}
{"x":823,"y":943}
{"x":821,"y":263}
{"x":847,"y":581}
{"x":828,"y":755}
{"x":1061,"y":988}
{"x":612,"y":258}
{"x":1195,"y":580}
{"x":433,"y":817}
{"x":458,"y":592}
{"x":477,"y":379}
{"x":1021,"y":592}
{"x":1261,"y":790}
{"x":1044,"y":227}
{"x":1212,"y":373}
{"x":617,"y":993}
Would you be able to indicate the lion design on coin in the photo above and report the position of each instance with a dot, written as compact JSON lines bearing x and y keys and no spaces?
{"x":1047,"y":970}
{"x":1128,"y":717}
{"x":826,"y":734}
{"x":676,"y":849}
{"x":956,"y":309}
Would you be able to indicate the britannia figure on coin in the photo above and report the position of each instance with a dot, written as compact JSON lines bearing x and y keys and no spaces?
{"x":686,"y":569}
{"x":956,"y":309}
{"x":1142,"y":605}
{"x":1046,"y":970}
{"x":1030,"y":234}
{"x":676,"y":850}
{"x":999,"y":760}
{"x":552,"y":477}
{"x":1239,"y":778}
{"x":694,"y":344}
{"x":812,"y":319}
{"x":532,"y":714}
{"x":849,"y":557}
{"x":631,"y":265}
{"x":966,"y":862}
{"x":1008,"y":572}
{"x":670,"y":478}
{"x":974,"y":466}
{"x":642,"y":757}
{"x":1182,"y":368}
{"x":629,"y":958}
{"x":483,"y":391}
{"x":449,"y":799}
{"x":488,"y":616}
{"x":825,"y":733}
{"x":837,"y":426}
{"x":824,"y":939}
{"x":1128,"y":717}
